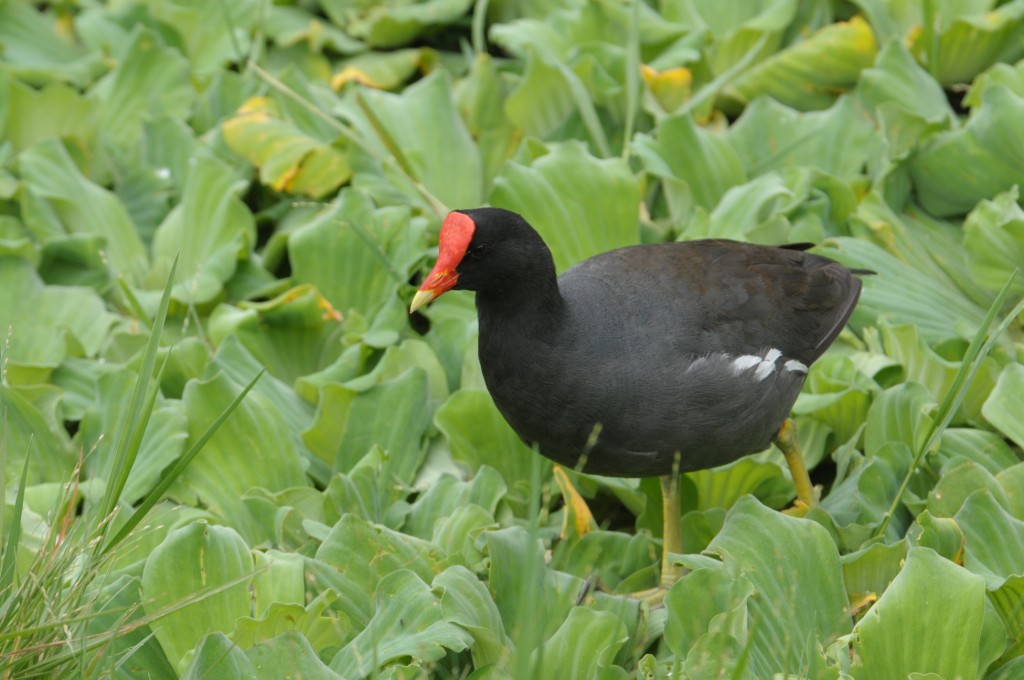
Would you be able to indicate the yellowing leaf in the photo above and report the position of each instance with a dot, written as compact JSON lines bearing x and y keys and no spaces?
{"x":289,"y":160}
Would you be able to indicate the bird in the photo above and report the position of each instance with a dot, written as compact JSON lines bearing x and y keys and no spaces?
{"x":648,"y":360}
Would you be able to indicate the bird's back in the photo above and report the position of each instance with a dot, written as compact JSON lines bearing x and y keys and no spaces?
{"x":697,"y":347}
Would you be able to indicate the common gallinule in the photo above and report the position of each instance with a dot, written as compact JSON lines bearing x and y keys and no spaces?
{"x":647,"y":360}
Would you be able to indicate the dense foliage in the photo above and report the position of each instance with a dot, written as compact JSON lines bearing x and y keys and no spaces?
{"x":364,"y":510}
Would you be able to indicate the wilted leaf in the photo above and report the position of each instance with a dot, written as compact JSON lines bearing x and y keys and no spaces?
{"x":810,"y":74}
{"x":289,"y":160}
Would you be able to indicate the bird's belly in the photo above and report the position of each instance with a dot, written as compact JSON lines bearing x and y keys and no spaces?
{"x":627,"y":419}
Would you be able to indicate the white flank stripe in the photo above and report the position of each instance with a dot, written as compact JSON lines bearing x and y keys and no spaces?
{"x":764,"y":369}
{"x":772,"y":356}
{"x":796,"y":366}
{"x":744,"y":362}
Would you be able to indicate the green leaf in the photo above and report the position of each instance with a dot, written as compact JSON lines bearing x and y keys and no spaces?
{"x":771,"y":136}
{"x":957,"y":169}
{"x":37,"y":53}
{"x":959,"y":483}
{"x":252,"y":448}
{"x":697,"y":166}
{"x":293,"y":334}
{"x":355,"y":254}
{"x":970,"y":41}
{"x":722,"y":487}
{"x":894,"y":75}
{"x":423,"y":130}
{"x":993,"y":236}
{"x":903,"y":294}
{"x":712,"y":635}
{"x":150,"y":80}
{"x":894,"y":640}
{"x":392,"y":415}
{"x":533,"y":601}
{"x":994,"y":539}
{"x":794,"y":567}
{"x":56,"y":109}
{"x":83,"y":206}
{"x":212,"y":35}
{"x":579,"y":204}
{"x":899,"y":414}
{"x":543,"y":101}
{"x":356,"y":555}
{"x":288,"y":655}
{"x":584,"y":645}
{"x":196,"y":582}
{"x":447,"y":494}
{"x":407,"y":623}
{"x":45,"y":323}
{"x":869,"y":571}
{"x":162,"y":442}
{"x":466,"y":603}
{"x":392,"y":23}
{"x":477,"y":435}
{"x":210,"y":230}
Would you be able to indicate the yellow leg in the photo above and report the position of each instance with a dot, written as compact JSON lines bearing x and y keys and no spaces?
{"x":672,"y":531}
{"x":672,"y":539}
{"x":788,"y":441}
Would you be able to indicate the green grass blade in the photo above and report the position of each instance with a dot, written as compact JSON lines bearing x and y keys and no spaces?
{"x":588,"y":113}
{"x":345,"y":131}
{"x":8,"y":559}
{"x":712,"y":89}
{"x":131,"y":433}
{"x":178,"y":468}
{"x":632,"y":79}
{"x":479,"y":24}
{"x":133,"y":302}
{"x":980,"y":346}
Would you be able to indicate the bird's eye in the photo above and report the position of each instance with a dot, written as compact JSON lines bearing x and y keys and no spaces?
{"x":478,"y":249}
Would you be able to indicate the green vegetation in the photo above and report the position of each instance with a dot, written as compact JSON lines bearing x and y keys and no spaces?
{"x":193,"y":192}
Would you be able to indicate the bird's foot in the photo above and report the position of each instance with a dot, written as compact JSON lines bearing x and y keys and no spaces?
{"x":801,"y":508}
{"x":654,"y":597}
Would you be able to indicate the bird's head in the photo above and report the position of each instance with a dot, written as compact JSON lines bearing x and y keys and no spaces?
{"x":485,"y":249}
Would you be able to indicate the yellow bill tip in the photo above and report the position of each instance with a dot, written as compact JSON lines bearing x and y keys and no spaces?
{"x":421,"y":298}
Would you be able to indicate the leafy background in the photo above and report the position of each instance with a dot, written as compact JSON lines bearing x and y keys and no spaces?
{"x":364,"y":511}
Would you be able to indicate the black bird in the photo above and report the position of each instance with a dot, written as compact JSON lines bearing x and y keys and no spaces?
{"x":648,"y":360}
